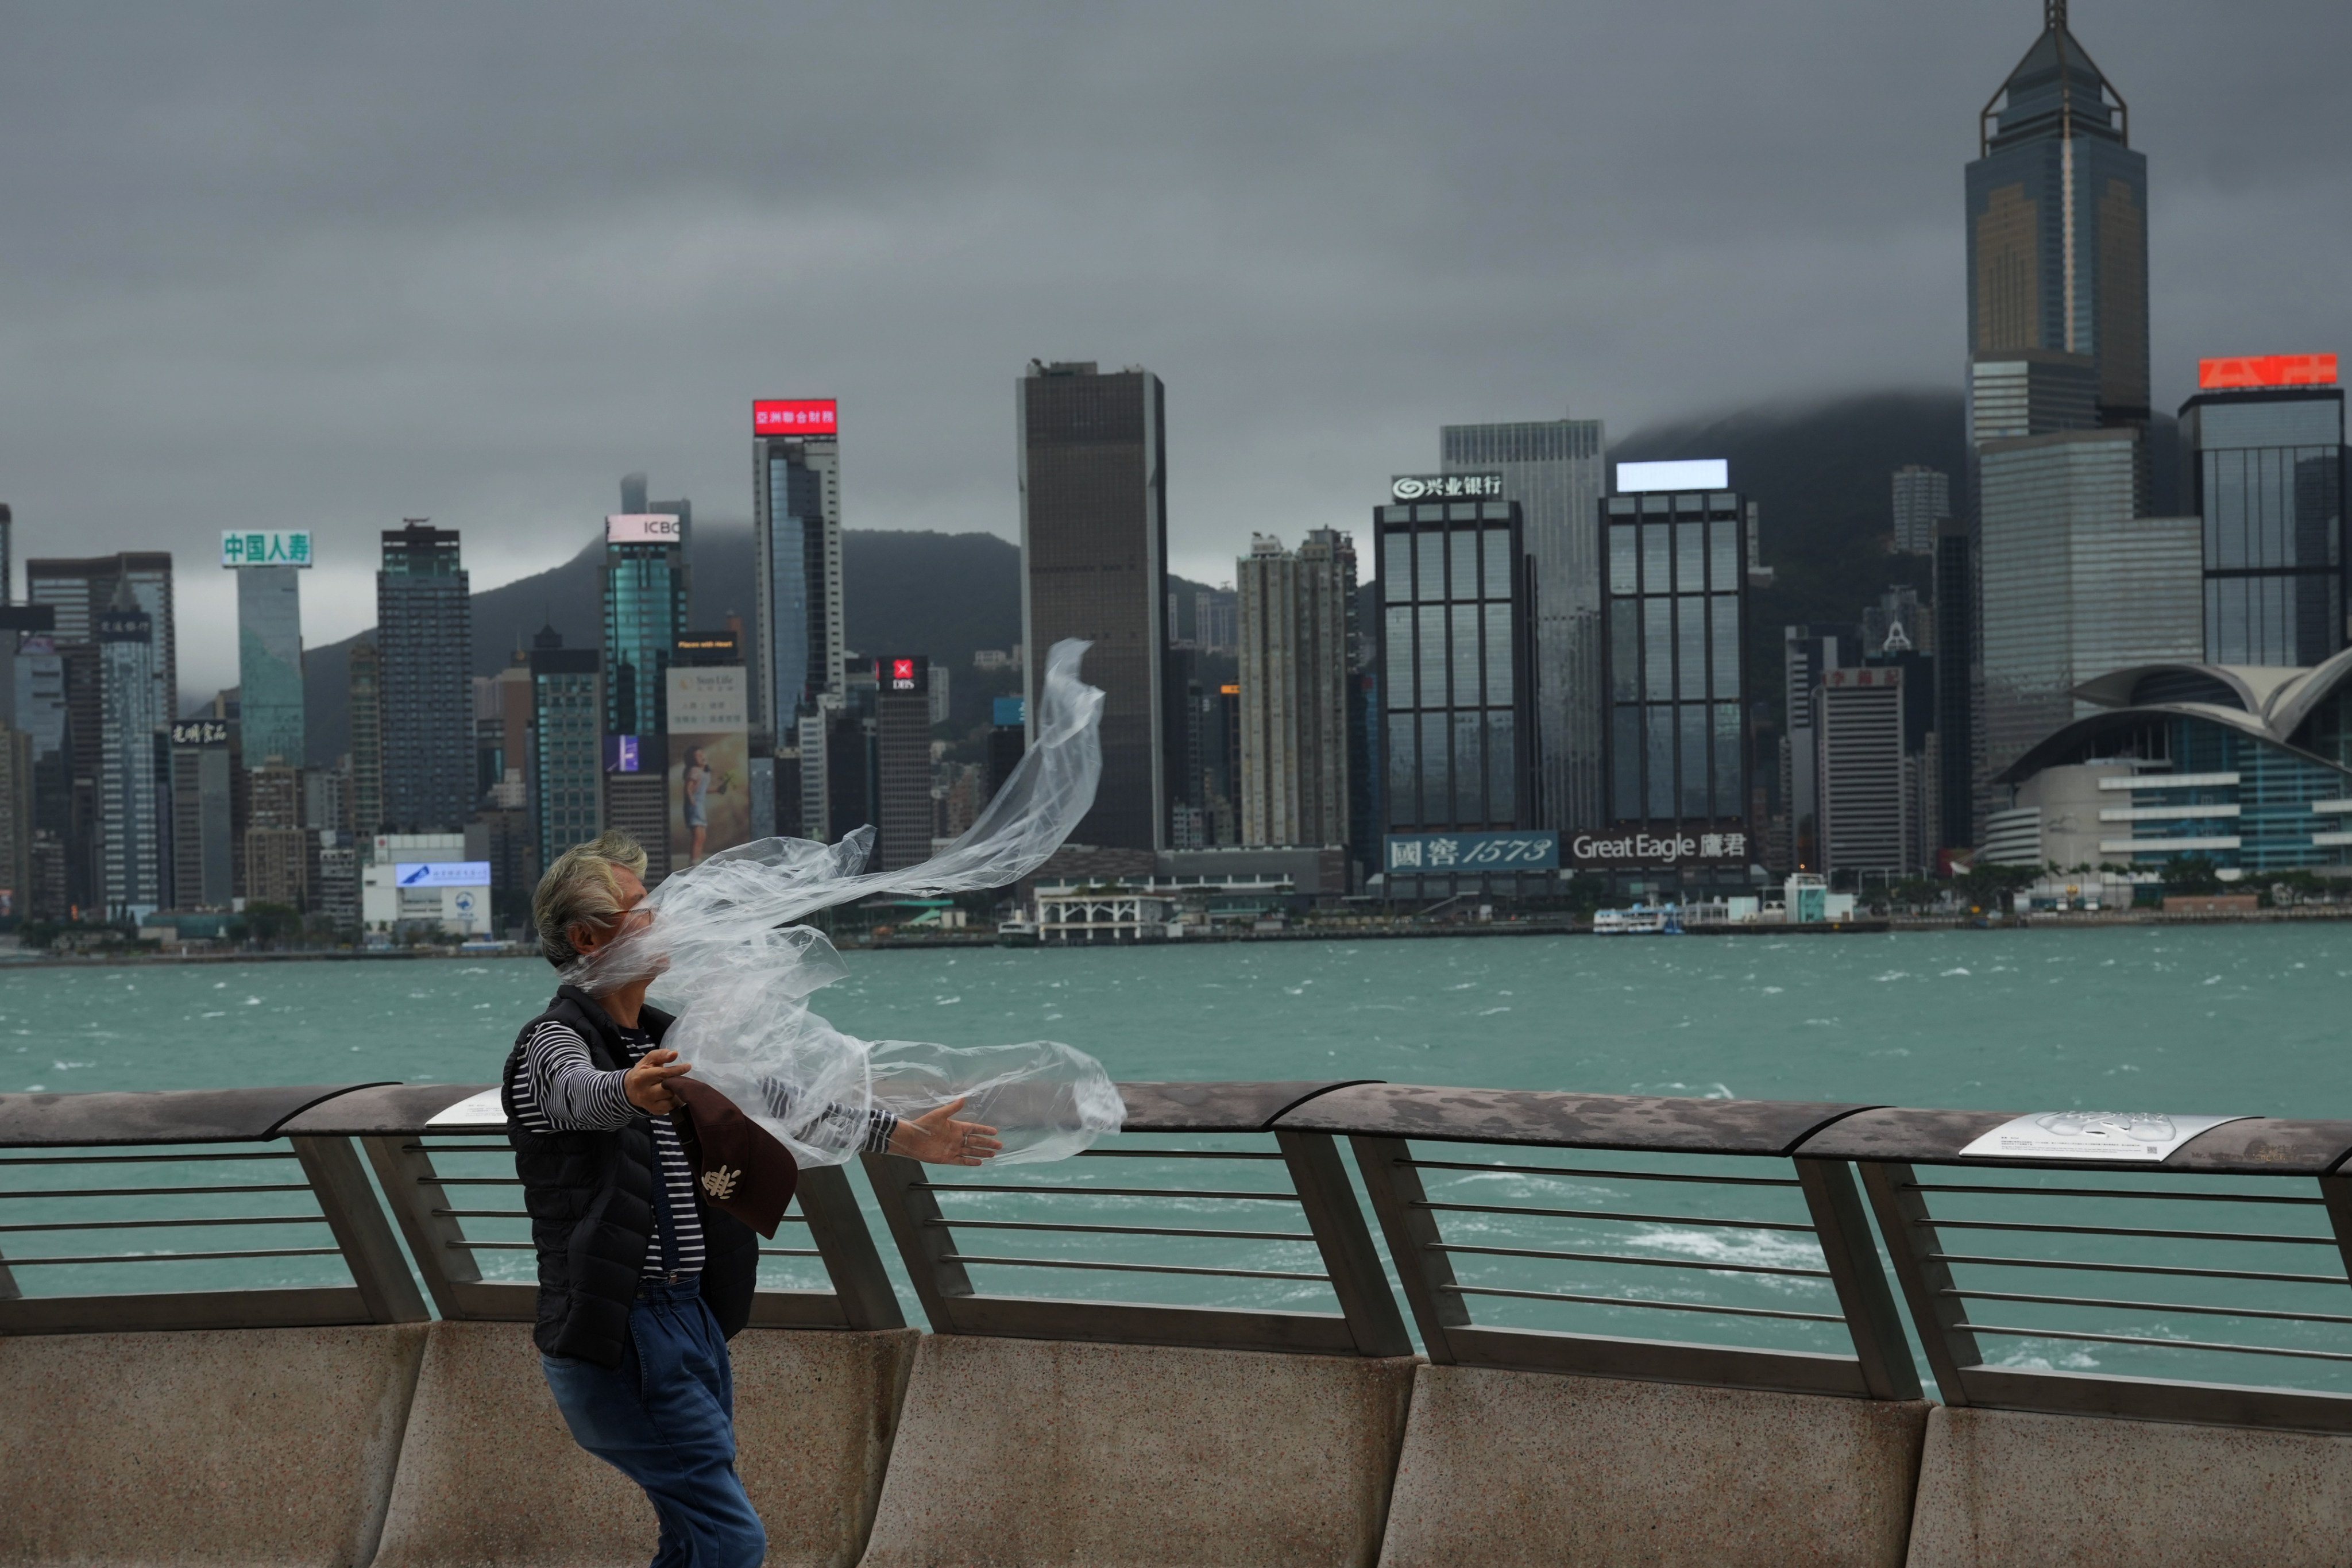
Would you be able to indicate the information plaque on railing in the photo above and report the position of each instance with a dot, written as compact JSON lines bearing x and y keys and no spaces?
{"x":2141,"y":1135}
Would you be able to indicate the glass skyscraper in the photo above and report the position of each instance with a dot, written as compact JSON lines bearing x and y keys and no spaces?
{"x":128,"y":802}
{"x":2266,"y":472}
{"x":798,"y":646}
{"x":1454,"y":661}
{"x":425,"y":652}
{"x":645,"y":615}
{"x":269,"y":664}
{"x":1094,"y":556}
{"x":2057,"y":211}
{"x":567,"y":795}
{"x":2075,"y":586}
{"x":1675,"y":617}
{"x":1557,"y":470}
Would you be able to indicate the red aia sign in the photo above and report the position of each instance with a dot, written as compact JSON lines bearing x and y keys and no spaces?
{"x":2266,"y":370}
{"x":796,"y":416}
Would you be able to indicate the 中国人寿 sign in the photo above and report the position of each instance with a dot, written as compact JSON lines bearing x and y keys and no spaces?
{"x":1640,"y":849}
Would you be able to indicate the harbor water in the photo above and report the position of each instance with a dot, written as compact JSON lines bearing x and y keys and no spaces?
{"x":2186,"y":1020}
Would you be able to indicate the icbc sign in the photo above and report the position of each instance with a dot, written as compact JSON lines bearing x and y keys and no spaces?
{"x":2266,"y":370}
{"x":796,"y":416}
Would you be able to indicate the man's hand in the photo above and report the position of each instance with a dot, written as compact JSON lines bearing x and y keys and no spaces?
{"x":648,"y":1083}
{"x":938,"y":1139}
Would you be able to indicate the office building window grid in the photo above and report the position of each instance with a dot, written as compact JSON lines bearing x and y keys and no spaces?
{"x":1454,"y":653}
{"x":645,"y":615}
{"x":1558,"y":472}
{"x":1676,"y":578}
{"x":2269,"y":472}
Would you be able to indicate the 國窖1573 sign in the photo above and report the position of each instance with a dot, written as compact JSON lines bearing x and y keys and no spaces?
{"x":1636,"y":849}
{"x":1431,"y":487}
{"x":242,"y":547}
{"x":1473,"y":854}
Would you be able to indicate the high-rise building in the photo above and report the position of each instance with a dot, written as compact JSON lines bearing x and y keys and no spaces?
{"x":502,"y":715}
{"x":203,"y":823}
{"x":1295,"y":648}
{"x":1923,"y":497}
{"x":367,"y":699}
{"x":2030,"y":392}
{"x":1677,"y":610}
{"x":7,"y":555}
{"x":902,"y":759}
{"x":80,"y":591}
{"x":1960,"y":689}
{"x":16,"y":805}
{"x":130,"y":831}
{"x":1868,"y":793}
{"x":1094,"y":547}
{"x":645,"y":611}
{"x":1455,"y":652}
{"x":1008,"y":743}
{"x":566,"y":775}
{"x":425,"y":648}
{"x":2057,"y":214}
{"x":268,"y":568}
{"x":277,"y":848}
{"x":2263,"y":445}
{"x":1808,"y":653}
{"x":1557,"y":470}
{"x":797,"y":617}
{"x":2075,"y":585}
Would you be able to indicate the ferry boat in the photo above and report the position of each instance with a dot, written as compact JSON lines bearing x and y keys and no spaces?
{"x":1642,"y":919}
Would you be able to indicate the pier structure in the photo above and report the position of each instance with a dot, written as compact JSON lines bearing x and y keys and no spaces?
{"x":1406,"y":1339}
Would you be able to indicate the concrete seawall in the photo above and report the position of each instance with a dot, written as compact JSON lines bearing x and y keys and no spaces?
{"x":1041,"y":1451}
{"x":1508,"y":1468}
{"x":409,"y":1447}
{"x":241,"y":1446}
{"x":488,"y":1474}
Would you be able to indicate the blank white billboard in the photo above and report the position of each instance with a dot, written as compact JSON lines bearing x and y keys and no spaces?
{"x":1683,"y":474}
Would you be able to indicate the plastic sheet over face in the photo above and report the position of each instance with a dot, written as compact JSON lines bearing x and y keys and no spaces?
{"x":727,"y":958}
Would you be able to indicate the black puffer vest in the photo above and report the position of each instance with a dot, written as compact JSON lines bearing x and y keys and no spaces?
{"x":591,"y":1197}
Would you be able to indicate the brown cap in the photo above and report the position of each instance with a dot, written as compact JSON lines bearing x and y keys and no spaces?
{"x":739,"y":1164}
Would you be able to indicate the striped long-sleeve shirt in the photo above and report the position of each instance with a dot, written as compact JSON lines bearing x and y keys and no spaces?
{"x":558,"y":1090}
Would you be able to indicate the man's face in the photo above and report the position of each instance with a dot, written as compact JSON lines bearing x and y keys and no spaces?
{"x":592,"y":938}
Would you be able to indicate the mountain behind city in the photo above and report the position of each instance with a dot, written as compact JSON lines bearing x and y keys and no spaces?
{"x":1819,"y":472}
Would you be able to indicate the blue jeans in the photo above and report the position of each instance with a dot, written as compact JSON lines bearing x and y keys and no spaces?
{"x":665,"y":1419}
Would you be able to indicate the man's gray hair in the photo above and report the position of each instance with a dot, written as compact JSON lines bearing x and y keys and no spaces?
{"x":580,"y":888}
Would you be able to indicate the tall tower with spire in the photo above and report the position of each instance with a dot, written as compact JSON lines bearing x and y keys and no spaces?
{"x":2057,"y":248}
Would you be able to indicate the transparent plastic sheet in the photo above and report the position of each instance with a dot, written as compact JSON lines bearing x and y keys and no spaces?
{"x":728,"y":960}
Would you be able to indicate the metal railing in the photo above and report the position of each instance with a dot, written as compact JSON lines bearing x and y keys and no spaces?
{"x":1794,"y":1247}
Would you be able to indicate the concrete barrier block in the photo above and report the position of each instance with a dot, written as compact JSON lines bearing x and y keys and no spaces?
{"x":243,"y":1446}
{"x":1041,"y":1451}
{"x":1508,"y":1468}
{"x":490,"y":1475}
{"x":2054,"y":1491}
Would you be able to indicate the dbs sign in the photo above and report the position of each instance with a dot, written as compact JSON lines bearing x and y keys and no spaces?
{"x":796,"y":416}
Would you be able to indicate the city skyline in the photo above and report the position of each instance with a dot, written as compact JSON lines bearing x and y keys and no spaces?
{"x":1438,"y":281}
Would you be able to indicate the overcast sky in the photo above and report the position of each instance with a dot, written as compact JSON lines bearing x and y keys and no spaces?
{"x":330,"y":265}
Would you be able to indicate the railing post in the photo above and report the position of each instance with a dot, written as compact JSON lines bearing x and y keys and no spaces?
{"x":1413,"y":1240}
{"x":921,"y":1232}
{"x":413,"y":1189}
{"x":340,"y":1183}
{"x":1844,"y":1231}
{"x":2335,"y":1192}
{"x":851,"y":1260}
{"x":1912,"y":1243}
{"x":1321,"y":1179}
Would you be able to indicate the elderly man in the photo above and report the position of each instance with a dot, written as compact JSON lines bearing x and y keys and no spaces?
{"x":641,"y":1283}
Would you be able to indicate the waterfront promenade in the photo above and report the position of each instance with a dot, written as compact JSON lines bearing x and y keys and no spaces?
{"x":1417,"y":1366}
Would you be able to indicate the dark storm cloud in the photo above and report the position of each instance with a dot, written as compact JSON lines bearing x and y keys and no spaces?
{"x":331,"y":266}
